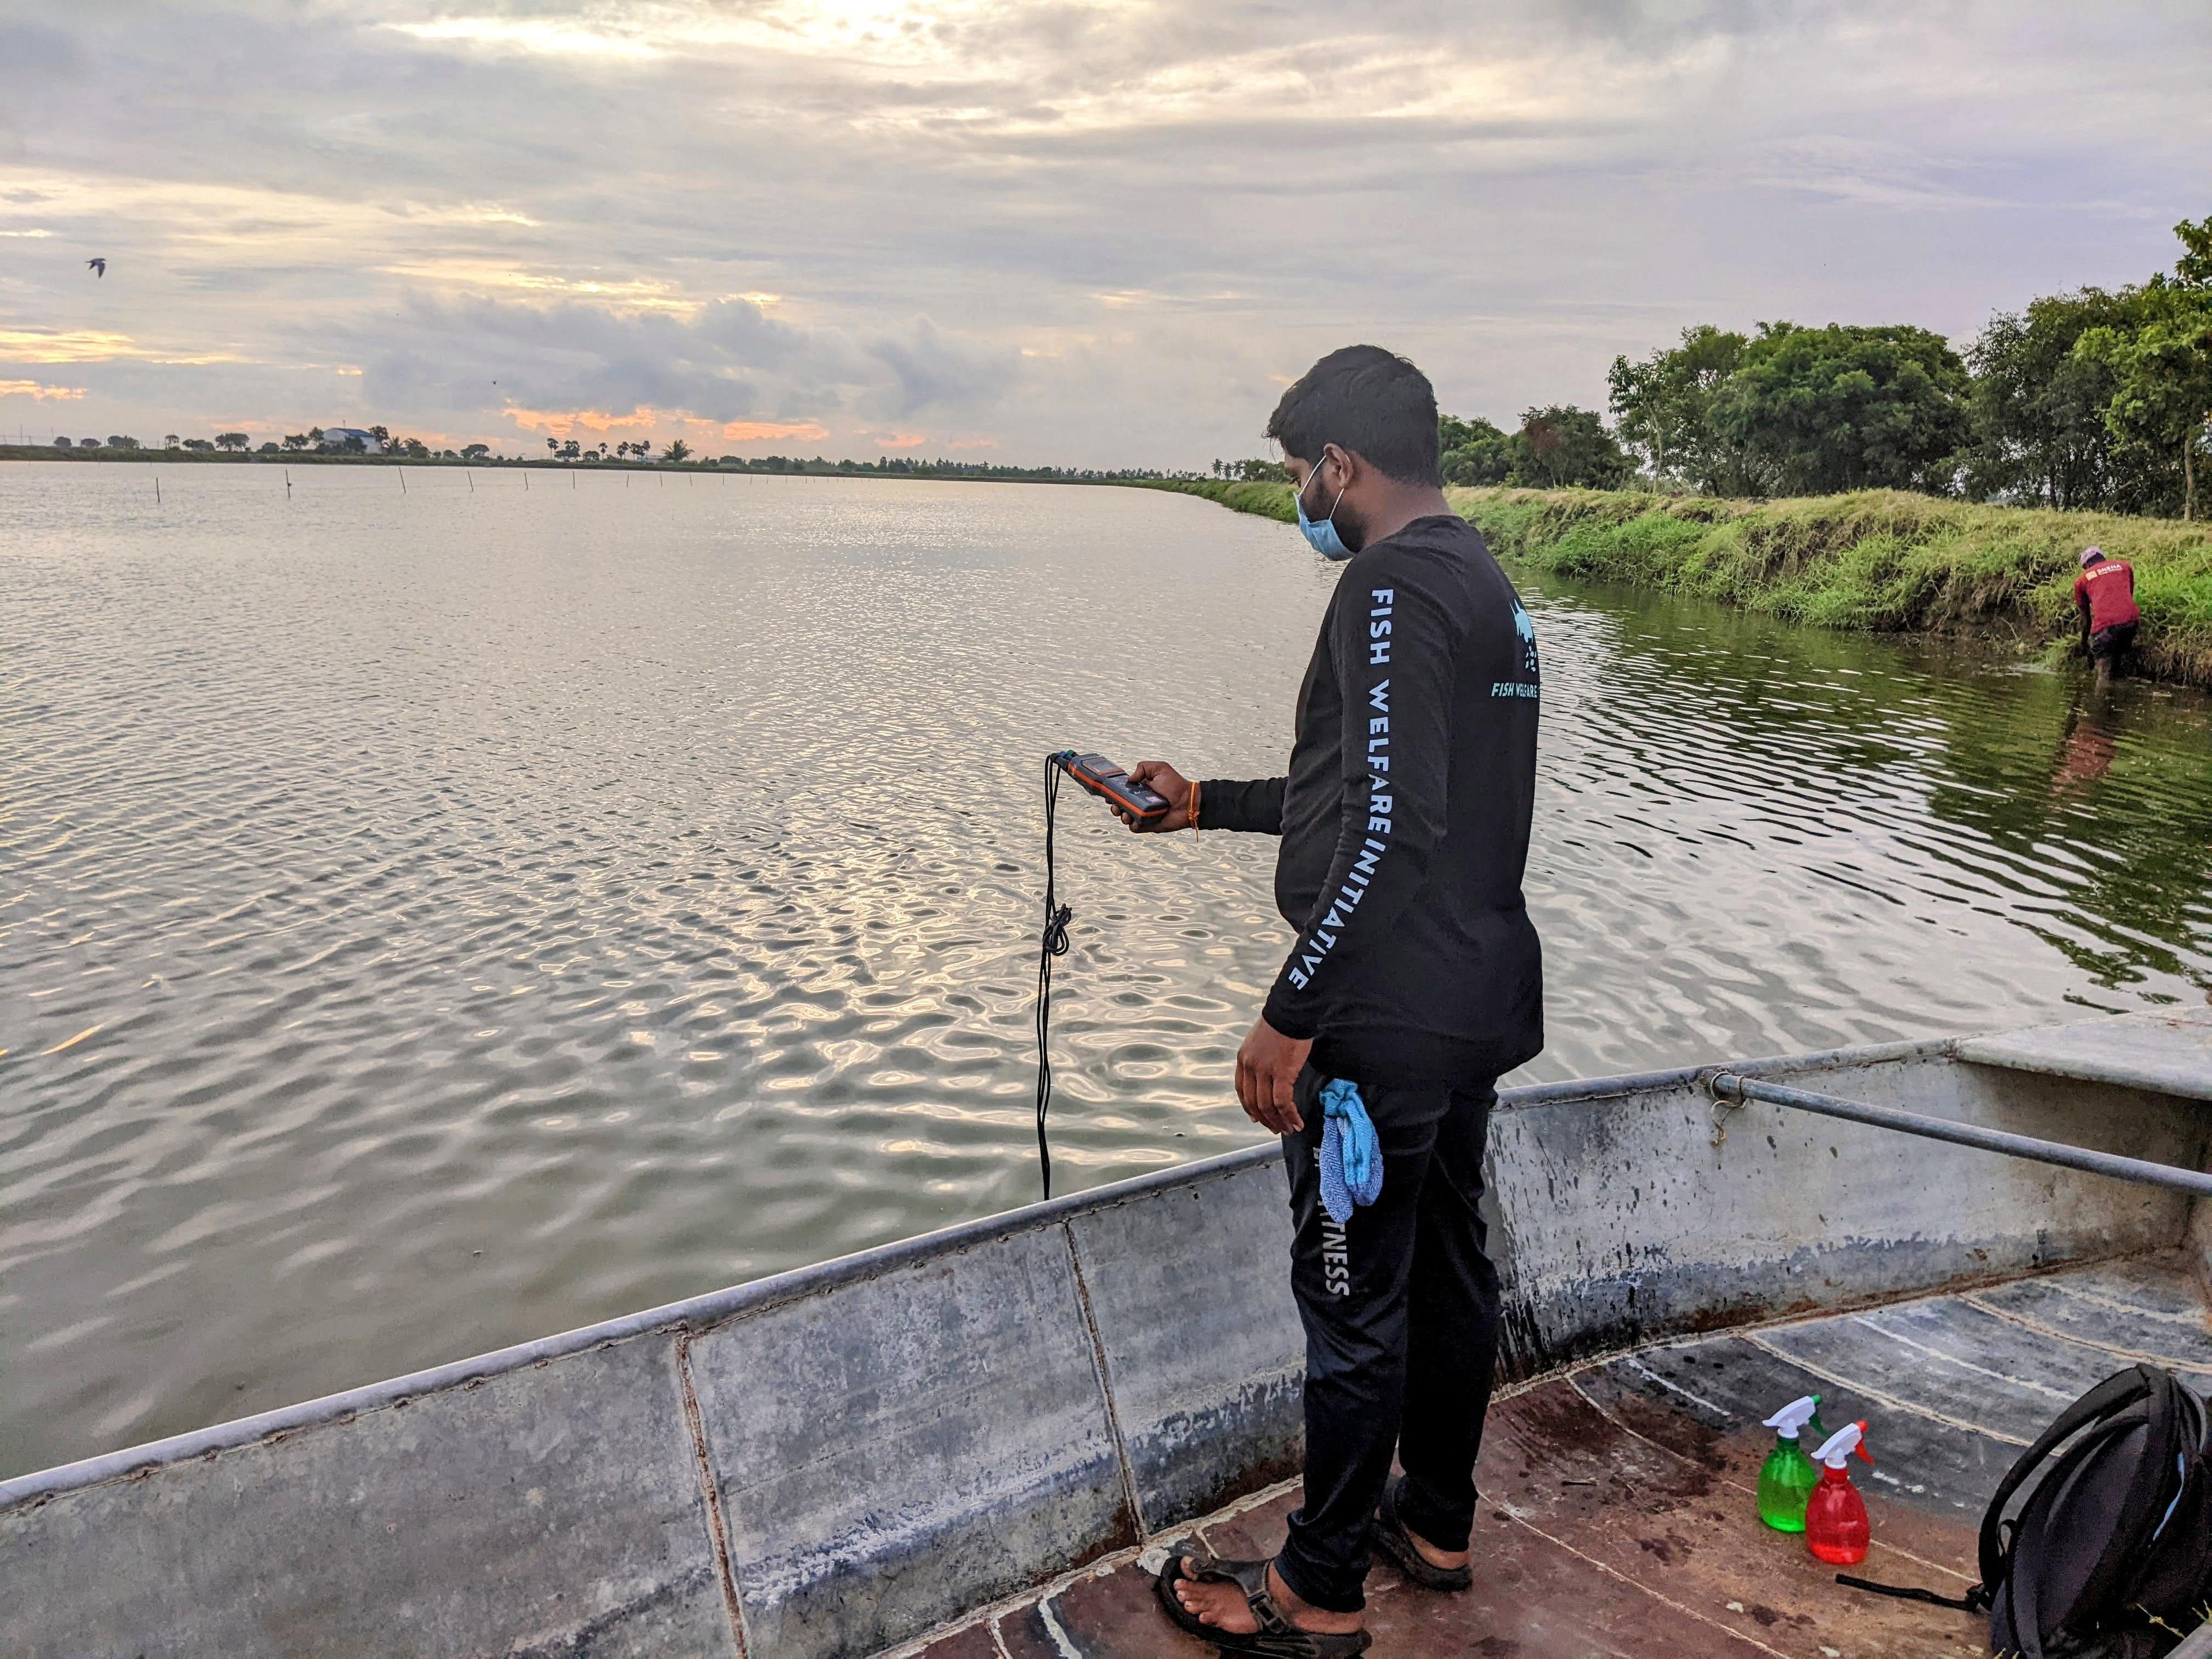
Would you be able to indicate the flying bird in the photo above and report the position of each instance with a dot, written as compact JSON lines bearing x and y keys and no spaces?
{"x":97,"y":267}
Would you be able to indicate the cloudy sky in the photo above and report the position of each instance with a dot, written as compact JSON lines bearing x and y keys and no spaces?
{"x":1090,"y":232}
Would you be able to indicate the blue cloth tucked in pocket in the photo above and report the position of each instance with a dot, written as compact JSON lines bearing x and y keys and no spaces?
{"x":1350,"y":1157}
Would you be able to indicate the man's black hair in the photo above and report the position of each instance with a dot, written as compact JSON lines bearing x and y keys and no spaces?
{"x":1367,"y":400}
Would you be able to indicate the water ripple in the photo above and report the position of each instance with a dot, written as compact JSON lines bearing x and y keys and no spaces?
{"x":430,"y":921}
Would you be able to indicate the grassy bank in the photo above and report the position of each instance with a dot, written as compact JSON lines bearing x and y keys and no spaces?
{"x":1878,"y":560}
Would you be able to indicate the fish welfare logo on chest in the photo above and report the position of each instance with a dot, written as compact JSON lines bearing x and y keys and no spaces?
{"x":1524,"y":630}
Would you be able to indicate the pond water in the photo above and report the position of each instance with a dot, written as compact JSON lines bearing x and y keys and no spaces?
{"x":429,"y":920}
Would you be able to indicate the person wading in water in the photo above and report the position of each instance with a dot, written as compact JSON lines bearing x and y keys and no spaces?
{"x":1415,"y":981}
{"x":2104,"y":595}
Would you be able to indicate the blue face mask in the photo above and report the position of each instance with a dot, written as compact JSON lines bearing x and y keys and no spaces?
{"x":1323,"y":537}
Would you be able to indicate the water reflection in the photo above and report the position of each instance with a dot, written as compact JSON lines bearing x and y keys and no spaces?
{"x":1956,"y":788}
{"x":2086,"y":750}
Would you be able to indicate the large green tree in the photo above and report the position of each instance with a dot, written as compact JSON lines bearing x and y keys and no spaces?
{"x":1846,"y":408}
{"x":1561,"y":446}
{"x":1558,"y":446}
{"x":2162,"y":403}
{"x":2161,"y":410}
{"x":1665,"y":406}
{"x":2039,"y":405}
{"x":1474,"y":452}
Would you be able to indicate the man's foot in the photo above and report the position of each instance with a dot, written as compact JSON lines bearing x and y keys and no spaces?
{"x":1222,"y":1606}
{"x":1424,"y":1563}
{"x":1450,"y":1560}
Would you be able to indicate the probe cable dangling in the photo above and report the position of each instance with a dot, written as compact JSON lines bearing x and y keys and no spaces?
{"x":1052,"y":943}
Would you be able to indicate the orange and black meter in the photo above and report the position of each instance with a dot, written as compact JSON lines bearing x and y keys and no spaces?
{"x":1111,"y":783}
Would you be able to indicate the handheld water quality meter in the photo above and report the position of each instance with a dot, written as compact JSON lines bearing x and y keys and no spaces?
{"x":1101,"y":778}
{"x":1111,"y":784}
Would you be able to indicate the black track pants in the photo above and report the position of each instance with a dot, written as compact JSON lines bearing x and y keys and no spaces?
{"x":1400,"y":1313}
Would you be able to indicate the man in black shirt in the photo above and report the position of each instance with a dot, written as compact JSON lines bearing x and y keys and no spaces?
{"x":1416,"y":975}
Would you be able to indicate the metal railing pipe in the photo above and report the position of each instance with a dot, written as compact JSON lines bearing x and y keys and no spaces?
{"x":1728,"y":1086}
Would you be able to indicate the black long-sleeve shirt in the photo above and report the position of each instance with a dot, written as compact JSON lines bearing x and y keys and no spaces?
{"x":1405,"y":819}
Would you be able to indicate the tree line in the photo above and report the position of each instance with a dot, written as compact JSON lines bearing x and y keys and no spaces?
{"x":2089,"y":400}
{"x":313,"y":441}
{"x":2084,"y":400}
{"x":317,"y":441}
{"x":1556,"y":447}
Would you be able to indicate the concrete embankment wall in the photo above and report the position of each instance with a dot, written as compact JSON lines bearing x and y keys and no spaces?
{"x":835,"y":1461}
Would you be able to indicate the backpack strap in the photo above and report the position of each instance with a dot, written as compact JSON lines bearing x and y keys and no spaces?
{"x":2026,"y":1615}
{"x":1972,"y":1602}
{"x":2116,"y":1392}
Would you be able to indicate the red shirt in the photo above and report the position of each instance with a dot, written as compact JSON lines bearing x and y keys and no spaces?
{"x":2108,"y":588}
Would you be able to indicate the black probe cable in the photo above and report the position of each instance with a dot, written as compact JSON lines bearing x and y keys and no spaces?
{"x":1052,"y":943}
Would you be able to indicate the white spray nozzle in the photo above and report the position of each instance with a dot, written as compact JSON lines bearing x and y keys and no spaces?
{"x":1838,"y":1446}
{"x":1794,"y":1415}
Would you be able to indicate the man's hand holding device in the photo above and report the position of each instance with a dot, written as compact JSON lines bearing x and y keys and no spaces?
{"x":1171,"y":786}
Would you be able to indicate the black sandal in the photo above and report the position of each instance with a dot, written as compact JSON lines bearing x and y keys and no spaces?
{"x":1277,"y":1636}
{"x":1395,"y":1544}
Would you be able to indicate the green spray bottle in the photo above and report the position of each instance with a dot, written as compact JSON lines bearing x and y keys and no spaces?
{"x":1786,"y":1482}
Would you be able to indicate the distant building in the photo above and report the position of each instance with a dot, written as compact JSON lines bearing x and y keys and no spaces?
{"x":338,"y":437}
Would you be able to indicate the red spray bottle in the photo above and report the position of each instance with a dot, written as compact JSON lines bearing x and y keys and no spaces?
{"x":1835,"y":1526}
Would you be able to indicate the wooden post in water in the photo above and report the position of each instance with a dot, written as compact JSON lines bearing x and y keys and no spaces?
{"x":157,"y":487}
{"x":470,"y":475}
{"x":402,"y":481}
{"x":288,"y":483}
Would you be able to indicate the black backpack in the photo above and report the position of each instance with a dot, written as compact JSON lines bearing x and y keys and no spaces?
{"x":2109,"y":1551}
